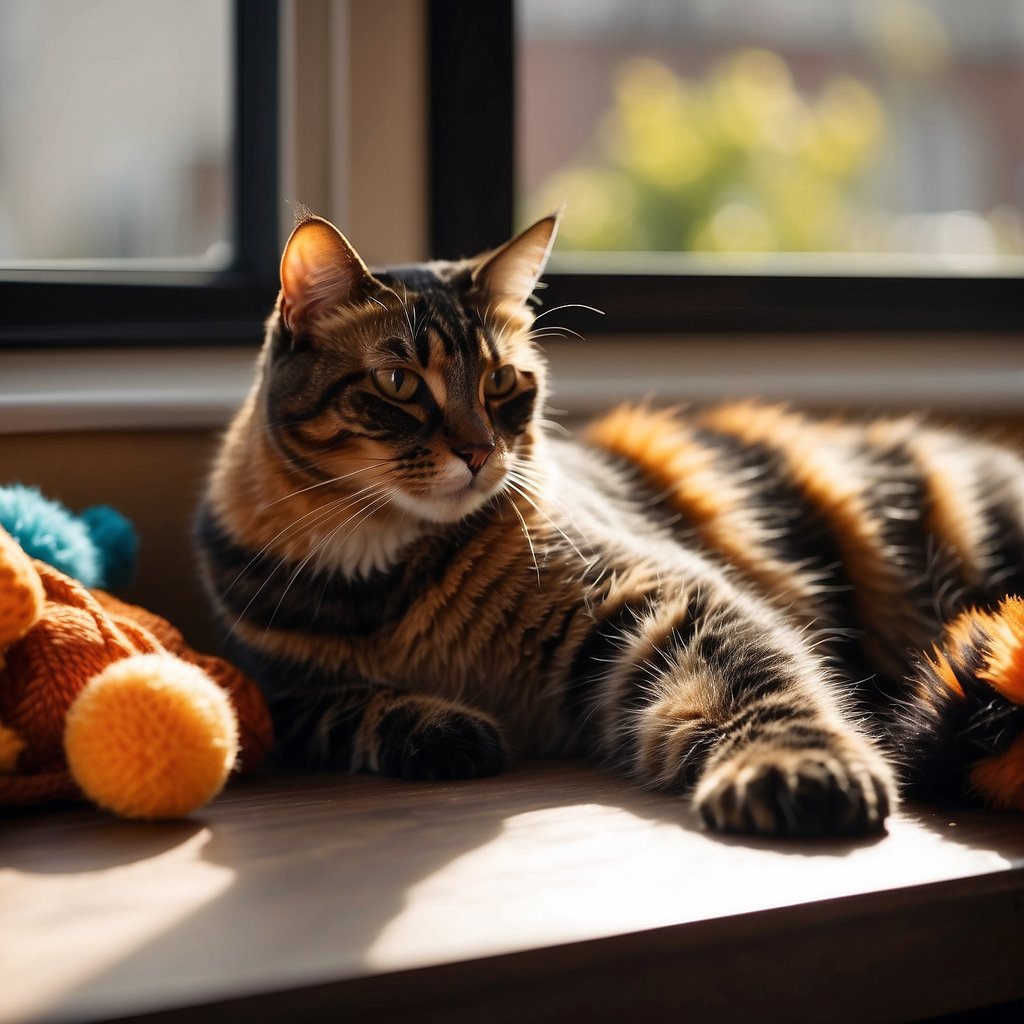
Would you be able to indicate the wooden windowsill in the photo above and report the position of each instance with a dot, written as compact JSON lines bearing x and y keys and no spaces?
{"x":553,"y":893}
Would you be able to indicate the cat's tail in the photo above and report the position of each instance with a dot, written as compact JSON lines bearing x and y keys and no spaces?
{"x":960,"y":731}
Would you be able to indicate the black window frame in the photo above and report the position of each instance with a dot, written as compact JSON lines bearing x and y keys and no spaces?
{"x":139,"y":307}
{"x":472,"y":193}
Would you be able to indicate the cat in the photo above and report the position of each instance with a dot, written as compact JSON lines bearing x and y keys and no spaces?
{"x":788,"y":618}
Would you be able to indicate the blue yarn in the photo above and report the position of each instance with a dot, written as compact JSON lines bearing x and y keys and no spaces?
{"x":98,"y":548}
{"x":116,"y":542}
{"x":48,"y":531}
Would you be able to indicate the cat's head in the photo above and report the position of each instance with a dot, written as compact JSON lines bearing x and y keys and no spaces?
{"x":420,"y":384}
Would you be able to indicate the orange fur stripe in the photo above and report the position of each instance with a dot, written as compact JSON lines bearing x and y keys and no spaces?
{"x":818,"y":458}
{"x":958,"y":635}
{"x":1004,"y":666}
{"x":945,"y":672}
{"x":686,"y":471}
{"x":1000,"y":779}
{"x":673,"y":460}
{"x":953,"y":516}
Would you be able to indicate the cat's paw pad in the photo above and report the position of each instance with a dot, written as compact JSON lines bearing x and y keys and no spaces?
{"x":439,"y":744}
{"x":813,"y":792}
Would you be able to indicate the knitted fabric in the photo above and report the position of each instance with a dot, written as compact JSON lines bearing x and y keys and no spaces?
{"x":77,"y":633}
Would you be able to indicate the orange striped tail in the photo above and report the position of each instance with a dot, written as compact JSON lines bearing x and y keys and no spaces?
{"x":961,"y":731}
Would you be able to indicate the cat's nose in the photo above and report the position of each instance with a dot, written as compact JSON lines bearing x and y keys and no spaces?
{"x":475,"y":455}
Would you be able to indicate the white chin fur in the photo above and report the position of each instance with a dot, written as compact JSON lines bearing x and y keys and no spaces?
{"x":444,"y":509}
{"x":457,"y":493}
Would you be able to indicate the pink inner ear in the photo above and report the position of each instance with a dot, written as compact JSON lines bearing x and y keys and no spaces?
{"x":319,"y":269}
{"x":511,"y":272}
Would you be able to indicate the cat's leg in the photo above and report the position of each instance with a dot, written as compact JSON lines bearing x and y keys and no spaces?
{"x":368,"y":727}
{"x":717,"y":693}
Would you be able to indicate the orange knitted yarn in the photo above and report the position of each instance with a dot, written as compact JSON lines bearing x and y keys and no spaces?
{"x":21,"y":593}
{"x":77,"y":635}
{"x":73,"y":641}
{"x":151,"y":736}
{"x":255,"y":732}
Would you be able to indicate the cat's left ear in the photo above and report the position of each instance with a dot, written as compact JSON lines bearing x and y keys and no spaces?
{"x":511,"y":272}
{"x":319,"y":270}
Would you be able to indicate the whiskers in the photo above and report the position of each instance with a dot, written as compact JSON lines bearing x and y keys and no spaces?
{"x":567,"y":305}
{"x":365,"y":509}
{"x":552,"y":330}
{"x":316,"y":535}
{"x":334,"y":481}
{"x":527,"y":483}
{"x":526,"y":532}
{"x":315,"y":515}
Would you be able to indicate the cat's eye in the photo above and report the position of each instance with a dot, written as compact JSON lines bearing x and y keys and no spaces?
{"x":399,"y":385}
{"x":500,"y":382}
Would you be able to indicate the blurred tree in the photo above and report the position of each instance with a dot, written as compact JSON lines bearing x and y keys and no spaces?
{"x":737,"y":162}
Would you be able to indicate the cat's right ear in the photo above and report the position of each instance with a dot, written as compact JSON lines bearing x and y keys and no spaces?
{"x":319,"y":270}
{"x":510,"y":273}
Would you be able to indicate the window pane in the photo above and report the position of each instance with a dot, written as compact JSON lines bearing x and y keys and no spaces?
{"x":115,"y":132}
{"x":885,"y":133}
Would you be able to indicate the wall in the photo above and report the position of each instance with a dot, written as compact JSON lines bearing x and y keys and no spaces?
{"x":153,"y":477}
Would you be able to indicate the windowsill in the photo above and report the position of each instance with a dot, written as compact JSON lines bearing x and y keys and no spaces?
{"x":554,"y":892}
{"x":198,"y":388}
{"x":121,"y":389}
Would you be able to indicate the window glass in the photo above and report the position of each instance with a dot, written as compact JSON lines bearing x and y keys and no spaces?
{"x":115,"y":133}
{"x":863,"y":135}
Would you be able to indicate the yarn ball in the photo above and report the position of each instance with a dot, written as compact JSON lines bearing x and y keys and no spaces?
{"x":151,"y":737}
{"x":114,"y":537}
{"x":48,"y":531}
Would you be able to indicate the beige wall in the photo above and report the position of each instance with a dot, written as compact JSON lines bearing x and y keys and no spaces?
{"x":154,"y":478}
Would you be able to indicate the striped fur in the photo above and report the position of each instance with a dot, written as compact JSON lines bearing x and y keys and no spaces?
{"x":742,"y":602}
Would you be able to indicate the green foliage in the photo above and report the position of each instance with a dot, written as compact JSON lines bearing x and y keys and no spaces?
{"x":739,"y":161}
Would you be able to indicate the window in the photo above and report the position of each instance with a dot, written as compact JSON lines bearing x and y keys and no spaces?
{"x":138,"y":155}
{"x":785,"y":164}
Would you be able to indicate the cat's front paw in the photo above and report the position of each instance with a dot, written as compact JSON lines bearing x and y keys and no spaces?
{"x":425,"y":740}
{"x":771,"y":791}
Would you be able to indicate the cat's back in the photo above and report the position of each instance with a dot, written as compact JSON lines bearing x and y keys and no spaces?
{"x":867,"y":526}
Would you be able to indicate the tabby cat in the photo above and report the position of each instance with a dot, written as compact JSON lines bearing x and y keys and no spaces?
{"x":779,"y":614}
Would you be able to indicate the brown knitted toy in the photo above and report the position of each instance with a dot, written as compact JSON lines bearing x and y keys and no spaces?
{"x":103,"y":699}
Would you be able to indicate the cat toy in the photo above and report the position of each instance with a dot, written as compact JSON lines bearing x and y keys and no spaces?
{"x":103,"y":699}
{"x":97,"y":547}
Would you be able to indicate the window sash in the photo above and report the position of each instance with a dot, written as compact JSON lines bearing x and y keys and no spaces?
{"x":472,"y":195}
{"x":132,"y":307}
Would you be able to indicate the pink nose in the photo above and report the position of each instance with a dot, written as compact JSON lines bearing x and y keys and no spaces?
{"x":475,"y":455}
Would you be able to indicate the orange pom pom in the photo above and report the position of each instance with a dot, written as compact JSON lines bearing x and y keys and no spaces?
{"x":151,"y":736}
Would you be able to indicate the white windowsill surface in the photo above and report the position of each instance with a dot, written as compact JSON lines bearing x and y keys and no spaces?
{"x":198,"y":388}
{"x":121,"y":389}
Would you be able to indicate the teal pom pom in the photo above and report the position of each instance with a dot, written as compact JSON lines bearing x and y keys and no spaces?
{"x":118,"y":546}
{"x":48,"y":531}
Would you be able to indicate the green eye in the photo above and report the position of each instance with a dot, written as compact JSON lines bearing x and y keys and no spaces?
{"x":500,"y":382}
{"x":400,"y":385}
